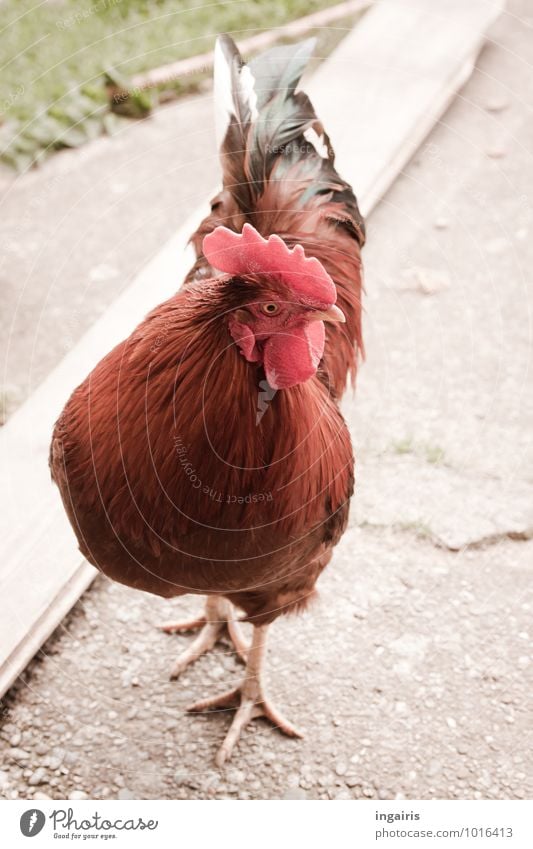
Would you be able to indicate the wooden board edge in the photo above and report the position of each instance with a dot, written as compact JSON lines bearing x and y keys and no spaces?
{"x":405,"y":152}
{"x":42,"y":629}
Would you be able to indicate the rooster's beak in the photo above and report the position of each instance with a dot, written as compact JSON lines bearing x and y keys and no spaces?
{"x":333,"y":313}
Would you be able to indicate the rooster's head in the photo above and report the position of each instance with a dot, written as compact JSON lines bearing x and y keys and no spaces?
{"x":286,"y":297}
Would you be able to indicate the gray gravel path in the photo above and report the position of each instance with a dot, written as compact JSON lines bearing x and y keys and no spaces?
{"x":412,"y":675}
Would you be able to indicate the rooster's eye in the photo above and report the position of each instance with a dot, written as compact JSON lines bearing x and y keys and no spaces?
{"x":270,"y":309}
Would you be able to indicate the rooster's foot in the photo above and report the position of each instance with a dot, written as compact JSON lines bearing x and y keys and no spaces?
{"x":248,"y":708}
{"x":249,"y":699}
{"x":217,"y":623}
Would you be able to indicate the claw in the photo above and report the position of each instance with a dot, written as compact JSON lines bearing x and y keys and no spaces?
{"x":183,"y":627}
{"x":203,"y":643}
{"x":218,"y":621}
{"x":247,"y":709}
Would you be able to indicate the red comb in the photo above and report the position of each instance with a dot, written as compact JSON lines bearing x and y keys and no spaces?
{"x":248,"y":253}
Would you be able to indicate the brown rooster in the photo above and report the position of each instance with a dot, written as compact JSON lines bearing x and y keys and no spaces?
{"x":206,"y":453}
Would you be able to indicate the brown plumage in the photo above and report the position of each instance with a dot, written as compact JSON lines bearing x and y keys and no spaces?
{"x":180,"y":468}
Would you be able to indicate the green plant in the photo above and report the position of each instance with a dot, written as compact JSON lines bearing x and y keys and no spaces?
{"x":55,"y":57}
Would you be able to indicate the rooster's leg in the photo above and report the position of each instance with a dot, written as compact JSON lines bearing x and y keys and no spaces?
{"x":219,"y":617}
{"x":249,"y":699}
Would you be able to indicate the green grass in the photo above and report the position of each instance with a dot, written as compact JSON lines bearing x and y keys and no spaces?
{"x":419,"y":528}
{"x":433,"y":454}
{"x":403,"y":446}
{"x":55,"y":55}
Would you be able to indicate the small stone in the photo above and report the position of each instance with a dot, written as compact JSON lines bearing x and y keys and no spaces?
{"x":383,"y":793}
{"x":181,"y":778}
{"x":41,"y":749}
{"x":429,"y":281}
{"x":78,"y":795}
{"x":236,"y":776}
{"x":4,"y":779}
{"x":434,"y":767}
{"x":341,"y":768}
{"x":40,"y":796}
{"x":37,"y":777}
{"x":294,"y":793}
{"x":352,"y":781}
{"x":15,"y":739}
{"x":450,"y":722}
{"x":18,"y":754}
{"x":496,"y":104}
{"x":125,"y":793}
{"x":485,"y":779}
{"x":217,"y":673}
{"x":342,"y":795}
{"x":496,"y":151}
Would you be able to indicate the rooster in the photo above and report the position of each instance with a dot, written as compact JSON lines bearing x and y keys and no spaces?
{"x":206,"y":453}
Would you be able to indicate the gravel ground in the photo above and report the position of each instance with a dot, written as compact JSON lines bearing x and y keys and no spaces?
{"x":412,"y":674}
{"x":408,"y":677}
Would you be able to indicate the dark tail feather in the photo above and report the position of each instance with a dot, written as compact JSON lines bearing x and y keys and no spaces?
{"x":280,"y":69}
{"x":258,"y":112}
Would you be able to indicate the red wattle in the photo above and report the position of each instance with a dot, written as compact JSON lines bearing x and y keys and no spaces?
{"x":293,"y":356}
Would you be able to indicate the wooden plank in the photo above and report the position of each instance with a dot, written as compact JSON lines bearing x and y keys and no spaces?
{"x":378,"y":94}
{"x":402,"y":65}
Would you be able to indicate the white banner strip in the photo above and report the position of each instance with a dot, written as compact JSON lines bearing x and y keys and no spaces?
{"x":258,"y":825}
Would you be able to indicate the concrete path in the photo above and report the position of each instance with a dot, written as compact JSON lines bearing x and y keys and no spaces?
{"x":75,"y":232}
{"x":412,"y":675}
